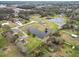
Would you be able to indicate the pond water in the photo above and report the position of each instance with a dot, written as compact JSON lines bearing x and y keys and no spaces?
{"x":58,"y":21}
{"x":38,"y":33}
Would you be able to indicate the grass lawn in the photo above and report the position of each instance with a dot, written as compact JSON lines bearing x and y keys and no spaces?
{"x":40,"y":27}
{"x":69,"y":38}
{"x":34,"y":42}
{"x":67,"y":50}
{"x":71,"y":52}
{"x":75,"y":53}
{"x":51,"y":25}
{"x":10,"y":51}
{"x":2,"y":54}
{"x":3,"y":41}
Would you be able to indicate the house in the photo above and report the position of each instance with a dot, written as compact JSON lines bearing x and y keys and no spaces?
{"x":16,"y":21}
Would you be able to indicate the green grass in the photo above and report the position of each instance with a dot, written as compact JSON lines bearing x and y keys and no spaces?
{"x":75,"y":53}
{"x":33,"y":43}
{"x":2,"y":54}
{"x":38,"y":26}
{"x":13,"y":53}
{"x":3,"y":41}
{"x":77,"y":22}
{"x":52,"y":25}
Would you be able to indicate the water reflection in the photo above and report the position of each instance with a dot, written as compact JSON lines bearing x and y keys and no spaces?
{"x":38,"y":33}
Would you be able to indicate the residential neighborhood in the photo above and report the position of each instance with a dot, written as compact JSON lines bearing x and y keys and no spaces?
{"x":39,"y":29}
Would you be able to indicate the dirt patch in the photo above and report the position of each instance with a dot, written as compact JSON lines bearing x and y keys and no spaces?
{"x":70,"y":39}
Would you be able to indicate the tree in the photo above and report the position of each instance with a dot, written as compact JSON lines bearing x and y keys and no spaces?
{"x":54,"y":42}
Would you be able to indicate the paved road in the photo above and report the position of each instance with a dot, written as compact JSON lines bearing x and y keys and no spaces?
{"x":71,"y":34}
{"x":23,"y":32}
{"x":24,"y":24}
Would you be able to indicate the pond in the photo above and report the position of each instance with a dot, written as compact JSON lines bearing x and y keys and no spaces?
{"x":58,"y":21}
{"x":40,"y":34}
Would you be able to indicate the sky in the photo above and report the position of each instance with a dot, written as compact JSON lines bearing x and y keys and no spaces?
{"x":39,"y":0}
